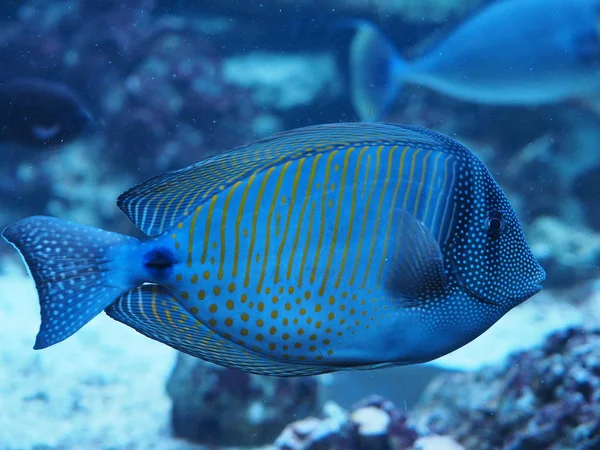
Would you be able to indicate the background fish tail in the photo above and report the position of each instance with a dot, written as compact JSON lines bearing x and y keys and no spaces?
{"x":77,"y":271}
{"x":376,"y":72}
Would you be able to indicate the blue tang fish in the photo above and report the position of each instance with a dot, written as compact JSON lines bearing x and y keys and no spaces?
{"x":324,"y":248}
{"x":519,"y":52}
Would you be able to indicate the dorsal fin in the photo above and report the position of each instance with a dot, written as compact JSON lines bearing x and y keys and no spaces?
{"x":158,"y":204}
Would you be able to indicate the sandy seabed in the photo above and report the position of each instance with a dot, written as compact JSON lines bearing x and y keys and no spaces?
{"x":103,"y":388}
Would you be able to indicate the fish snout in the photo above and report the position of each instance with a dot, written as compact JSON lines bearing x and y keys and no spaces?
{"x":541,"y":277}
{"x":534,"y":285}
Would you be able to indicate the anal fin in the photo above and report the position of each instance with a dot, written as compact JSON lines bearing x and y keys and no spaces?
{"x":153,"y":312}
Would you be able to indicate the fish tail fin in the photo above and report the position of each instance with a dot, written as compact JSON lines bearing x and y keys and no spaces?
{"x":376,"y":72}
{"x":78,"y":271}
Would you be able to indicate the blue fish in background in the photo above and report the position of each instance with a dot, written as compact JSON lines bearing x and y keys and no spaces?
{"x":519,"y":52}
{"x":39,"y":113}
{"x":331,"y":247}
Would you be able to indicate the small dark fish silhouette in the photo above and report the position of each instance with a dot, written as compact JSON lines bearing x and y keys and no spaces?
{"x":36,"y":112}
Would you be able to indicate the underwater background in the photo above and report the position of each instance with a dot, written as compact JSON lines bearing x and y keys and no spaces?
{"x":165,"y":84}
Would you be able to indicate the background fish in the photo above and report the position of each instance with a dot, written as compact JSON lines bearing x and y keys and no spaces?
{"x":36,"y":112}
{"x":324,"y":248}
{"x":513,"y":52}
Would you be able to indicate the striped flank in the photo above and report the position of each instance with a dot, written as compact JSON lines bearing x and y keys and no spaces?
{"x":289,"y":261}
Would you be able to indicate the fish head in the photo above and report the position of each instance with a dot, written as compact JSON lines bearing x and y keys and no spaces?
{"x":489,"y":255}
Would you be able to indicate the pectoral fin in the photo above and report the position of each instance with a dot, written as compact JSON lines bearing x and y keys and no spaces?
{"x":415,"y":265}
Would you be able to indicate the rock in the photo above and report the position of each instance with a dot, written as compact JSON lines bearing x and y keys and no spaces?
{"x":437,"y":443}
{"x":570,"y":254}
{"x":312,"y":433}
{"x":217,"y":406}
{"x":154,"y":82}
{"x":285,"y":81}
{"x":373,"y":424}
{"x":546,"y":398}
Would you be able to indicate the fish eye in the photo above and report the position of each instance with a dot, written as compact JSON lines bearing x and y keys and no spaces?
{"x":495,"y":223}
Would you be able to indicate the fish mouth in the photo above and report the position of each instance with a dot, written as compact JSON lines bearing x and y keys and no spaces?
{"x":534,"y":290}
{"x":537,"y":287}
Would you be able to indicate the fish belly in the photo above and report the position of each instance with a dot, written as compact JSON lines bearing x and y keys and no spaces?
{"x":291,"y":261}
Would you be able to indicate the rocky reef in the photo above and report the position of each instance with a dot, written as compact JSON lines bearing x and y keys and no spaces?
{"x":374,"y":423}
{"x":217,"y":406}
{"x":164,"y":90}
{"x":548,"y":397}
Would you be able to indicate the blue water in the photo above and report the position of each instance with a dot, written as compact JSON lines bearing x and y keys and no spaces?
{"x":169,"y":83}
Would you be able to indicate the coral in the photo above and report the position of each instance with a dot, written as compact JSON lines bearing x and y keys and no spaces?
{"x":218,"y":406}
{"x":68,"y":184}
{"x":569,"y":253}
{"x":372,"y":424}
{"x":435,"y":442}
{"x":546,"y":398}
{"x":164,"y":91}
{"x":154,"y":83}
{"x":285,"y":81}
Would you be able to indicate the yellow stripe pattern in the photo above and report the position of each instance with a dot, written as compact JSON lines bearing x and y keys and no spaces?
{"x":291,"y":261}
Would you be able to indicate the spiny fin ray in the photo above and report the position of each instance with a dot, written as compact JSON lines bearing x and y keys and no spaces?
{"x":158,"y":204}
{"x":416,"y":266}
{"x":153,"y":312}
